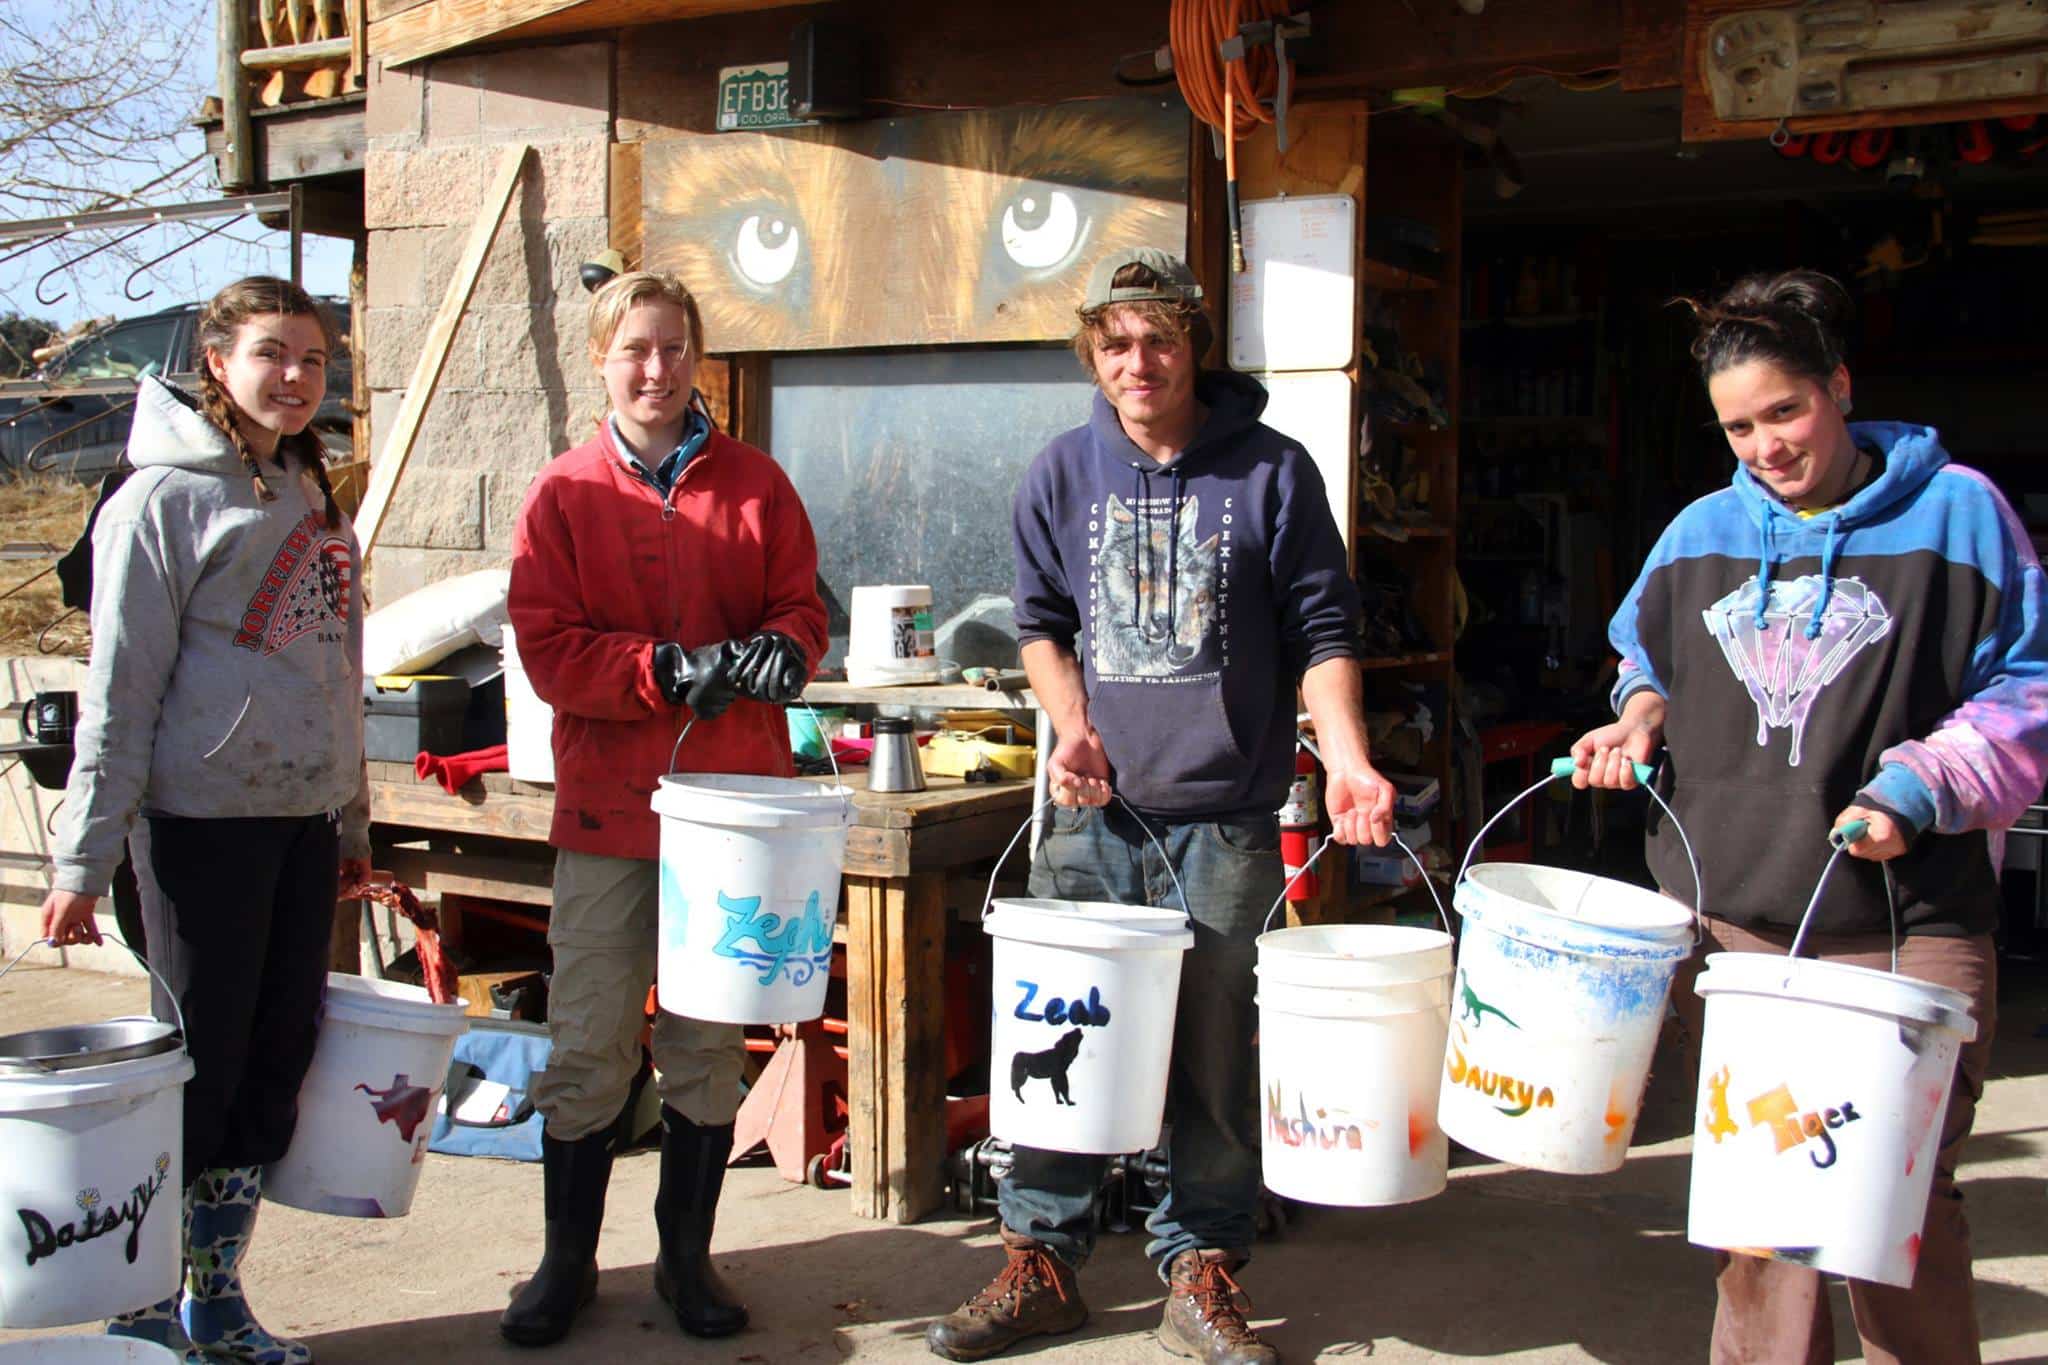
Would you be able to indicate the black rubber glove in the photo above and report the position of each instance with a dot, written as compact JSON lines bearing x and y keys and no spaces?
{"x":699,"y":678}
{"x":771,"y":668}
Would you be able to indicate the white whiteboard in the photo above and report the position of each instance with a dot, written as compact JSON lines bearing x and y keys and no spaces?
{"x":1294,"y":307}
{"x":1314,"y":407}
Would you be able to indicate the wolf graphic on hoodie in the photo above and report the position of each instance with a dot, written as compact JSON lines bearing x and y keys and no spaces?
{"x":1890,"y":652}
{"x":227,"y":661}
{"x":1195,"y":592}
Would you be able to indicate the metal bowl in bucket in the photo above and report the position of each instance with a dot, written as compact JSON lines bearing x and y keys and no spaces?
{"x":75,"y":1046}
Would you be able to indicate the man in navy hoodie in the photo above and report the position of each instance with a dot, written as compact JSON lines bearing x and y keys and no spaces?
{"x":1179,"y":573}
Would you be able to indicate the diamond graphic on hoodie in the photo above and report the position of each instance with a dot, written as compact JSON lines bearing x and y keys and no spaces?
{"x":1783,"y":669}
{"x":307,"y":587}
{"x":1156,"y":591}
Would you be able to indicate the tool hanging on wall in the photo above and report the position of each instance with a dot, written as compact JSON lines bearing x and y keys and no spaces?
{"x":1230,"y":57}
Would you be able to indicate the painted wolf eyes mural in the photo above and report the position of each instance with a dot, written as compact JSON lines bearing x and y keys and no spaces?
{"x":1782,"y":667}
{"x":973,"y":226}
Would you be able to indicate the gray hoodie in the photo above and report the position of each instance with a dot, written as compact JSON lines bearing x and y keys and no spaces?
{"x":227,"y":648}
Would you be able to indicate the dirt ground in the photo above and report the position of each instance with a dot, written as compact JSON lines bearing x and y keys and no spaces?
{"x":1507,"y":1265}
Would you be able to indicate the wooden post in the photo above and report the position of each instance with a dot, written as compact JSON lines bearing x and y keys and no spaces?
{"x":390,"y":462}
{"x":896,"y":1044}
{"x":238,"y":165}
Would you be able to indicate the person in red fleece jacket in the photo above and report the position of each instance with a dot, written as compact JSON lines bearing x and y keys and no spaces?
{"x":664,"y":575}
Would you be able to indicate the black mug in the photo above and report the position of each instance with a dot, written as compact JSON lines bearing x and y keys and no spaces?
{"x":50,"y":717}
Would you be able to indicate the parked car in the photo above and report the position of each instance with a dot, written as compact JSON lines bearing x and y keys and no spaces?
{"x":81,"y":436}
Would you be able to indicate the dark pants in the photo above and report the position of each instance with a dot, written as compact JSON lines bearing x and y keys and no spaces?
{"x":238,"y":915}
{"x":1231,"y":872}
{"x":1776,"y":1312}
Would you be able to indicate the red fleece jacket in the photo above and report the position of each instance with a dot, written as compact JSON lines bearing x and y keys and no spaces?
{"x":603,"y":570}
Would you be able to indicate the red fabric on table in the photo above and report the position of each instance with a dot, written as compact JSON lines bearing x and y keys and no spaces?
{"x":453,"y":771}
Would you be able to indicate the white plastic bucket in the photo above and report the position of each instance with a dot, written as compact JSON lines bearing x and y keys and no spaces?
{"x":1558,"y":999}
{"x":889,"y":635}
{"x":1822,"y":1092}
{"x":366,"y":1108}
{"x":749,"y":895}
{"x":529,"y":722}
{"x":83,"y":1350}
{"x":1352,"y":1021}
{"x":92,"y":1183}
{"x":1084,"y":1006}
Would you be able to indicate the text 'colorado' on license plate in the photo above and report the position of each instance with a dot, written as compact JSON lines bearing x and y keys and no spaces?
{"x":755,"y":97}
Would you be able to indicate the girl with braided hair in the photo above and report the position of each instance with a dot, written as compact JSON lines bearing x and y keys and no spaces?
{"x":1853,"y":630}
{"x":224,"y":707}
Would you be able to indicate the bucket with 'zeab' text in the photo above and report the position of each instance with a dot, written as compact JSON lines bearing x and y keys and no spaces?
{"x":1084,"y":1000}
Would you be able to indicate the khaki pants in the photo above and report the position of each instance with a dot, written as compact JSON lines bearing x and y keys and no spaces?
{"x":1776,"y":1311}
{"x":604,"y":935}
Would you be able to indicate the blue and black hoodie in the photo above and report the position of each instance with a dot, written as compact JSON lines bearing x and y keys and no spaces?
{"x":1889,"y":652}
{"x":1195,"y":592}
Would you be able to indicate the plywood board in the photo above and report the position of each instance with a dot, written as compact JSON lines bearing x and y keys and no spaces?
{"x":979,"y":226}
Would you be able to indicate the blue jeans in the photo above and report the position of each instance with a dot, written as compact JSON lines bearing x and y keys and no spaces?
{"x":1231,"y":872}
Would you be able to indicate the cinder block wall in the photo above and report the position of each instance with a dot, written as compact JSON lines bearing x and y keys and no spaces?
{"x":518,"y":387}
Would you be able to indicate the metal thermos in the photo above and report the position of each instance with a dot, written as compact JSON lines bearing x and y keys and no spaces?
{"x":894,"y":767}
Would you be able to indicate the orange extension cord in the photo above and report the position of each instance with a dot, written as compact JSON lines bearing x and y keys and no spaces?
{"x":1228,"y":96}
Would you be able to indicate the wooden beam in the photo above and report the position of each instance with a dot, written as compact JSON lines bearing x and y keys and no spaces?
{"x":426,"y":374}
{"x":628,"y":226}
{"x":1652,"y":41}
{"x":237,"y":165}
{"x":407,"y":35}
{"x":896,"y":1045}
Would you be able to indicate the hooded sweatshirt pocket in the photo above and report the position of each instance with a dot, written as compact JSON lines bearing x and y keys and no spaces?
{"x":235,"y":727}
{"x":1172,"y":746}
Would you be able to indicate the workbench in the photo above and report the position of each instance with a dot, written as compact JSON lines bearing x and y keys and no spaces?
{"x":490,"y":840}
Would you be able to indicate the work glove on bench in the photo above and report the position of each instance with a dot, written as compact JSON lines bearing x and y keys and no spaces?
{"x":700,"y":678}
{"x":771,"y":668}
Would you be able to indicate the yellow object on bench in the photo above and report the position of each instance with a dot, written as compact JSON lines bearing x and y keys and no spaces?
{"x":952,"y":753}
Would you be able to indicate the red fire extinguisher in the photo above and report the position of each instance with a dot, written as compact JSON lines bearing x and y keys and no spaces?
{"x":1298,"y":820}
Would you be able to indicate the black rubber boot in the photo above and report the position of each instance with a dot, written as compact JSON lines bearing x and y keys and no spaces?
{"x":692,"y":1174}
{"x":574,"y":1177}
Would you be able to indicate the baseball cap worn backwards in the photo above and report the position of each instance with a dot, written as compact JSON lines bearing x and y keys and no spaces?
{"x":1176,"y":283}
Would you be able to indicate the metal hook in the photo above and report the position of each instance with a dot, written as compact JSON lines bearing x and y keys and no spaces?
{"x":128,"y":285}
{"x":44,"y":278}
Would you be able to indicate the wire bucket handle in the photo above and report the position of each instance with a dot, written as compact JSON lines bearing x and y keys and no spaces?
{"x":988,"y":900}
{"x":1323,"y":847}
{"x":1564,"y":768}
{"x":838,"y":778}
{"x":1839,"y":838}
{"x":169,"y":994}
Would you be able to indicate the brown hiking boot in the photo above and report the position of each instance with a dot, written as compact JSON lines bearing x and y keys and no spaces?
{"x":1035,"y":1294}
{"x":1204,"y":1320}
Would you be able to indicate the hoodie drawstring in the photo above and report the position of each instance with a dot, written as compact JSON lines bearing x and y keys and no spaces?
{"x":1141,"y":511}
{"x":1763,"y":570}
{"x":1141,"y":485}
{"x":1173,"y":551}
{"x":1828,"y":556}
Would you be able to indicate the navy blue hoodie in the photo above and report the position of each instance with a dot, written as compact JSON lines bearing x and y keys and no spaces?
{"x":1195,"y":592}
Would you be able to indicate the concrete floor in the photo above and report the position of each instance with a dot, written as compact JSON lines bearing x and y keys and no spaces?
{"x":1506,"y":1265}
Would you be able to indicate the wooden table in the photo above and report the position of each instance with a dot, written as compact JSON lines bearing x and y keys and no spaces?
{"x":490,"y":840}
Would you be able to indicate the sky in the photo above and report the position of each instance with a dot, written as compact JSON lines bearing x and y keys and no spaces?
{"x":95,"y":288}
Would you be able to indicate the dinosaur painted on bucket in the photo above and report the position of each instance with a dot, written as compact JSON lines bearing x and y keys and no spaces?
{"x":1473,"y":1008}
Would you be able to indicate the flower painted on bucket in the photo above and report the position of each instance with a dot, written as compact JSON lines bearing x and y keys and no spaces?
{"x":1520,"y":1095}
{"x":88,"y":1199}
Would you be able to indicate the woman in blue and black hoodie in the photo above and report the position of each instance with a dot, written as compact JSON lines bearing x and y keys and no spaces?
{"x":1852,"y":630}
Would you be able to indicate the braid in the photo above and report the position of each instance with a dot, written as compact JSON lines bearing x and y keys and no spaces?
{"x":315,"y":456}
{"x":220,"y":409}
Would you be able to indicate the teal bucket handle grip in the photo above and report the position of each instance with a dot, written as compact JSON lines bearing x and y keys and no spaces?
{"x":1849,"y":832}
{"x":1839,"y":839}
{"x":1565,"y":767}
